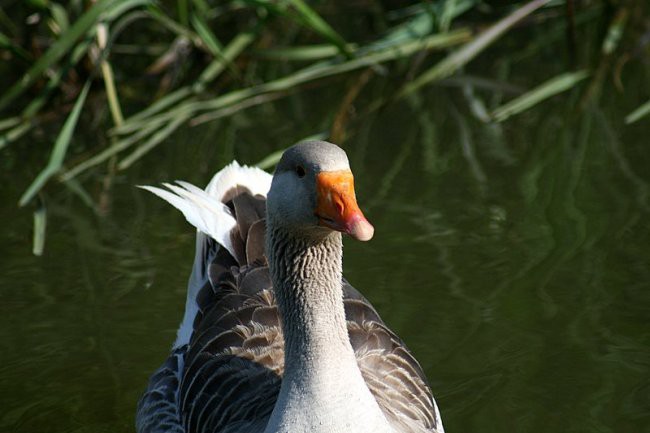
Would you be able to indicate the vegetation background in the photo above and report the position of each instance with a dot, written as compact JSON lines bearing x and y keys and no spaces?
{"x":152,"y":67}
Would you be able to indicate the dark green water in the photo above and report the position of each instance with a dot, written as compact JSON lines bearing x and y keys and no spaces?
{"x":514,"y":260}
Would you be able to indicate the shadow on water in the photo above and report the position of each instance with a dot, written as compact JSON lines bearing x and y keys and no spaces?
{"x":512,"y":258}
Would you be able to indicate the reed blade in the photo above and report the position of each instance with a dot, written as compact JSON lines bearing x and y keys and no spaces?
{"x":40,"y":225}
{"x":559,"y":84}
{"x":637,"y":114}
{"x":59,"y":150}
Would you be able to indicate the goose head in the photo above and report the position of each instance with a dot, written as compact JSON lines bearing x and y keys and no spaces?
{"x":312,"y":193}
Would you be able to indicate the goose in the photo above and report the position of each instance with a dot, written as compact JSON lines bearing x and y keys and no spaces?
{"x":273,"y":338}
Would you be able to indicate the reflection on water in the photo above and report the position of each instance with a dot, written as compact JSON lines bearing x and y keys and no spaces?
{"x":513,"y":259}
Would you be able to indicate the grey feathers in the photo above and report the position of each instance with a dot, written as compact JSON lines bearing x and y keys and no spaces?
{"x":314,"y":155}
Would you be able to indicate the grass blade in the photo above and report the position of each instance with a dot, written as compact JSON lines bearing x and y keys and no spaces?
{"x":60,"y":17}
{"x":114,"y":149}
{"x":635,"y":115}
{"x":10,"y":122}
{"x":166,"y":101}
{"x":234,"y":108}
{"x":125,"y":5}
{"x":207,"y":37}
{"x":77,"y":189}
{"x":299,"y":53}
{"x":107,"y":74}
{"x":544,"y":91}
{"x":447,"y":15}
{"x":225,"y":59}
{"x":40,"y":224}
{"x":615,"y":32}
{"x":183,"y":12}
{"x":15,"y":133}
{"x":459,"y":58}
{"x":59,"y":150}
{"x":319,"y":25}
{"x":173,"y":26}
{"x":418,"y":26}
{"x":6,"y":43}
{"x":154,"y":141}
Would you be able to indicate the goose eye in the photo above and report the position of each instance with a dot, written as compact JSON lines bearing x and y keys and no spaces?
{"x":300,"y":171}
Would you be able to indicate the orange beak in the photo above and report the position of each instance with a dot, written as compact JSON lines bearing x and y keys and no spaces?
{"x":337,"y":207}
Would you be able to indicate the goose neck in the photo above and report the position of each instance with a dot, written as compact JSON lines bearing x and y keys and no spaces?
{"x":307,"y":275}
{"x":322,"y":390}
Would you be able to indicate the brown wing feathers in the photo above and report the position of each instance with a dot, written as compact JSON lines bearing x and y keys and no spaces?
{"x":392,"y":374}
{"x":233,"y":366}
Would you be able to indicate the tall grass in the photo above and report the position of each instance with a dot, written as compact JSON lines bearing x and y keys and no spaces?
{"x":210,"y":60}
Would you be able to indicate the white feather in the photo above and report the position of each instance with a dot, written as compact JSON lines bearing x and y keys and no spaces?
{"x":257,"y":181}
{"x":205,"y":210}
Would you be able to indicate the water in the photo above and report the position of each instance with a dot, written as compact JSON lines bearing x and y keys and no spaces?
{"x":514,"y":260}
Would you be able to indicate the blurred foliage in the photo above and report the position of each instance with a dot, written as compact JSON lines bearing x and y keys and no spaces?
{"x":157,"y":66}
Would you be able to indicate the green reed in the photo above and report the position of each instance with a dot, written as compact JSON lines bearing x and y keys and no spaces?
{"x":243,"y":53}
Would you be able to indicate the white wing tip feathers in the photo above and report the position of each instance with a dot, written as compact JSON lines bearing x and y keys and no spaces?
{"x":205,"y":210}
